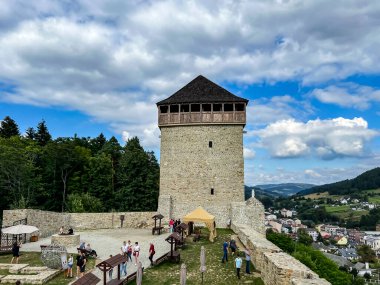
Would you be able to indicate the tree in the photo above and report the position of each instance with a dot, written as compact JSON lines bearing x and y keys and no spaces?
{"x":80,"y":203}
{"x":30,"y":133}
{"x":99,"y":174}
{"x":138,"y":177}
{"x":42,"y":135}
{"x":8,"y":128}
{"x":304,"y":237}
{"x":98,"y":143}
{"x":366,"y":253}
{"x":20,"y":182}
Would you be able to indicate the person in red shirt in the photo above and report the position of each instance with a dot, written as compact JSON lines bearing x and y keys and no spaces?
{"x":151,"y":253}
{"x":171,"y":225}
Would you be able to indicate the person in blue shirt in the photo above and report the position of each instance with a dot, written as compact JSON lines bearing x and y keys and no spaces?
{"x":225,"y":252}
{"x":238,"y":262}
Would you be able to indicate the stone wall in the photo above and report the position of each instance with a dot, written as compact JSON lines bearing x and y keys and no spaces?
{"x":50,"y":222}
{"x":82,"y":221}
{"x":276,"y":266}
{"x":189,"y":169}
{"x":250,"y":213}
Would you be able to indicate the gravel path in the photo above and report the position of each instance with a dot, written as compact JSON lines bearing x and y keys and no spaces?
{"x":109,"y":241}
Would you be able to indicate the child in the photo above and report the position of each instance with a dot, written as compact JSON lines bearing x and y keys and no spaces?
{"x":70,"y":263}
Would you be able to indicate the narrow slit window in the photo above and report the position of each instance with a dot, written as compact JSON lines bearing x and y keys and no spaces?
{"x":210,"y":144}
{"x":212,"y":191}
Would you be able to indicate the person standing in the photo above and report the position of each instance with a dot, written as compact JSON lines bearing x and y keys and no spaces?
{"x":70,"y":264}
{"x":225,"y":252}
{"x":124,"y":249}
{"x":16,"y":251}
{"x":171,"y":225}
{"x":238,"y":262}
{"x":151,"y":253}
{"x":129,"y":251}
{"x":79,"y":261}
{"x":248,"y":261}
{"x":136,"y":252}
{"x":233,"y":246}
{"x":83,"y":267}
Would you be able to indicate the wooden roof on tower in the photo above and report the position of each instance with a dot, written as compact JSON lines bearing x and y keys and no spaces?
{"x":201,"y":90}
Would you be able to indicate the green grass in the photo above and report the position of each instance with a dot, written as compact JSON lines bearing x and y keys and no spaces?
{"x":217,"y":273}
{"x":337,"y":209}
{"x":34,"y":259}
{"x":374,"y":200}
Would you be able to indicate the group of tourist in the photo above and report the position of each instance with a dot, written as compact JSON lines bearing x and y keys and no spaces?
{"x":238,"y":260}
{"x":173,"y":224}
{"x":128,"y":250}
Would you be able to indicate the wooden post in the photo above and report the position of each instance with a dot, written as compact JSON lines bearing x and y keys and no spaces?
{"x":104,"y":275}
{"x":118,"y":271}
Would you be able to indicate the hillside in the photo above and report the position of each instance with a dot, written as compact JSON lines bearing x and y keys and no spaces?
{"x":284,"y":189}
{"x":365,"y":181}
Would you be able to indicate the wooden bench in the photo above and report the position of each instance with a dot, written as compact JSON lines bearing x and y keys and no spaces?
{"x":86,"y":252}
{"x":43,"y":246}
{"x":132,"y":276}
{"x":157,"y":229}
{"x":6,"y":249}
{"x":176,"y":257}
{"x":116,"y":282}
{"x":87,"y":279}
{"x":162,"y":258}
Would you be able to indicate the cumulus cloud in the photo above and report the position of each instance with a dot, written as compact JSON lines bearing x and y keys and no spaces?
{"x":327,"y":139}
{"x":348,"y":95}
{"x":112,"y":60}
{"x":263,"y":111}
{"x":249,"y":153}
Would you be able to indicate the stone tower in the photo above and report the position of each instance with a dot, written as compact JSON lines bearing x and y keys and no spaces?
{"x":201,"y":161}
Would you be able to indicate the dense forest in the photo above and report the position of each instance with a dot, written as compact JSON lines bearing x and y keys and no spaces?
{"x":74,"y":174}
{"x":368,"y":180}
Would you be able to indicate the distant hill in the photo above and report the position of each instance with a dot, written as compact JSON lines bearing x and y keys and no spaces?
{"x":284,"y":189}
{"x":366,"y":181}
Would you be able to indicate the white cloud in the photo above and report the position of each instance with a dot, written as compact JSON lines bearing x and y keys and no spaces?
{"x":348,"y":95}
{"x":248,"y":153}
{"x":112,"y":60}
{"x":326,"y":139}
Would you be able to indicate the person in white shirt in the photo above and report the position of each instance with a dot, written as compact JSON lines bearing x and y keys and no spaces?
{"x":136,"y":252}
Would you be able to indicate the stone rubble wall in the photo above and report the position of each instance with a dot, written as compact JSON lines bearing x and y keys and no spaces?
{"x":276,"y":266}
{"x":50,"y":222}
{"x":250,"y":213}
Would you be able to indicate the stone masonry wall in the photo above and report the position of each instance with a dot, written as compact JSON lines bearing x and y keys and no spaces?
{"x":81,"y":221}
{"x":250,"y":212}
{"x":50,"y":222}
{"x":276,"y":266}
{"x":189,"y":168}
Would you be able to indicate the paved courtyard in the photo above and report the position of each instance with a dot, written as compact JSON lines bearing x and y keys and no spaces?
{"x":109,"y":241}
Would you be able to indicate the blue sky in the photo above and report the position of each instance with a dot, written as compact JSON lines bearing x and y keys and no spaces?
{"x":311,"y":70}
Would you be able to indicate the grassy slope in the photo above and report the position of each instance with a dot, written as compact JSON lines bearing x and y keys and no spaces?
{"x":217,"y":273}
{"x":33,"y":259}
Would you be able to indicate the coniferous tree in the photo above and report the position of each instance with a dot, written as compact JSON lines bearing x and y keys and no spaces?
{"x":42,"y":135}
{"x":30,"y":133}
{"x":8,"y":128}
